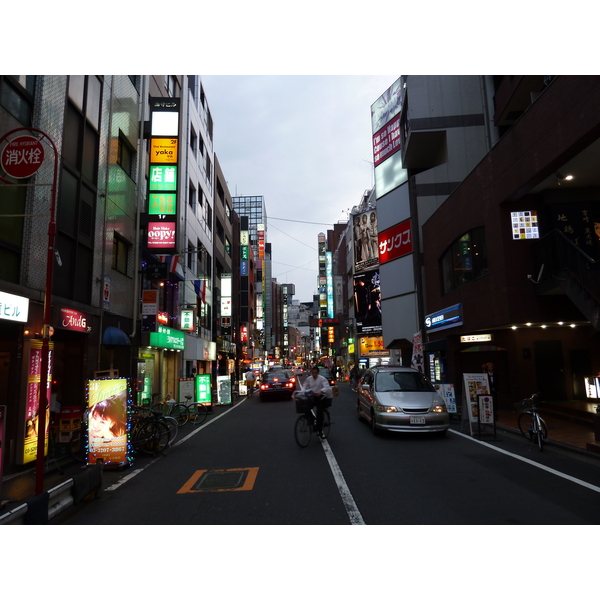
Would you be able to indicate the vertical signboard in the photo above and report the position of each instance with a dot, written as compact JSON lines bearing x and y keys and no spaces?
{"x":32,"y":399}
{"x":224,"y":389}
{"x":474,"y":385}
{"x":203,"y":391}
{"x":163,"y":174}
{"x":107,"y":421}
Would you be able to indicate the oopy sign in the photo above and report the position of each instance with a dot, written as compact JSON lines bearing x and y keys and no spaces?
{"x":161,"y":235}
{"x":22,"y":157}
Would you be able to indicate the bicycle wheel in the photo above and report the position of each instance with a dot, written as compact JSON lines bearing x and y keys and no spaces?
{"x":303,"y":431}
{"x":180,"y":412}
{"x":153,"y":437}
{"x":326,"y":423}
{"x":525,"y":423}
{"x":539,"y":432}
{"x":173,"y":425}
{"x":198,"y":414}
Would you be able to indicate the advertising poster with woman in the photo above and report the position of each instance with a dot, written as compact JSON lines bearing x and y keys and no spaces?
{"x":107,"y":420}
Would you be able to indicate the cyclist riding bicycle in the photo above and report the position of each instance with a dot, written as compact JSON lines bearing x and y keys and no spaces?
{"x":317,"y":384}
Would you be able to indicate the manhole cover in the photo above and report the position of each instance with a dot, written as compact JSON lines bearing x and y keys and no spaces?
{"x":221,"y":481}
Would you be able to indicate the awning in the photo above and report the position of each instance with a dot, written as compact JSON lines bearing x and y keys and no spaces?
{"x":399,"y":344}
{"x":113,"y":336}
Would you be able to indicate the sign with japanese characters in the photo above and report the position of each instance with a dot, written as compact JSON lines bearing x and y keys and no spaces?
{"x":162,"y":204}
{"x":203,"y":389}
{"x":22,"y":157}
{"x":163,"y":178}
{"x":107,"y":421}
{"x":395,"y":242}
{"x":13,"y":308}
{"x":163,"y":150}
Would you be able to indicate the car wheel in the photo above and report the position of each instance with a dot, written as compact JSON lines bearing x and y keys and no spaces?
{"x":358,"y":411}
{"x":373,"y":424}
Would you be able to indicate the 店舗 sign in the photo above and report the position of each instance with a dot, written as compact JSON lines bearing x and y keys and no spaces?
{"x":22,"y":157}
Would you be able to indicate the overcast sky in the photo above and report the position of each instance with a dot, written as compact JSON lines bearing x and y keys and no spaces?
{"x":302,"y":142}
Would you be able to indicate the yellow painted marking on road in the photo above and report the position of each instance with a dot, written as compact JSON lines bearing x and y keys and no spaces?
{"x":188,"y":488}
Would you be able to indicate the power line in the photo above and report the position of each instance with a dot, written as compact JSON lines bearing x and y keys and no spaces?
{"x":293,"y":221}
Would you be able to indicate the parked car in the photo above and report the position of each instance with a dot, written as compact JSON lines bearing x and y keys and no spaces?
{"x":276,"y":384}
{"x":401,"y":399}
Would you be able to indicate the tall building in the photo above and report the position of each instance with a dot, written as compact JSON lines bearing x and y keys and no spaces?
{"x":254,"y":208}
{"x":490,"y":249}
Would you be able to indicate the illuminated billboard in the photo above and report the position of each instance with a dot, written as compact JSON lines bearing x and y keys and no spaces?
{"x":107,"y":421}
{"x":367,"y":302}
{"x":163,"y":150}
{"x":161,"y":235}
{"x":385,"y":126}
{"x":366,"y":242}
{"x":525,"y":225}
{"x":203,"y":390}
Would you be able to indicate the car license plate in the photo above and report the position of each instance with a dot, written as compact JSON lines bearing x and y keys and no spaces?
{"x":417,"y":420}
{"x":276,"y":385}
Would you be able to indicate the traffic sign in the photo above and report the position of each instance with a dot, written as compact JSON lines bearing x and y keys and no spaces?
{"x":22,"y":157}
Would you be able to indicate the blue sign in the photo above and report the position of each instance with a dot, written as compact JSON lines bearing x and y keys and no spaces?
{"x":444,"y":319}
{"x":243,"y":267}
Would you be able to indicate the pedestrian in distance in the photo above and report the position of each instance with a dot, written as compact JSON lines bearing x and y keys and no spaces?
{"x":250,"y":380}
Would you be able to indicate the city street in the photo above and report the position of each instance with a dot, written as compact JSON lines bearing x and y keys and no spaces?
{"x":243,"y":467}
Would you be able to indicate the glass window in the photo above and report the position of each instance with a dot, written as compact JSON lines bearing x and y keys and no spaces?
{"x":76,"y":87}
{"x":94,"y":93}
{"x":125,"y":155}
{"x":465,"y":260}
{"x":120,"y":254}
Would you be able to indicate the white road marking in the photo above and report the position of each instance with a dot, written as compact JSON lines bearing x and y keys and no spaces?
{"x":531,"y":462}
{"x":349,"y":504}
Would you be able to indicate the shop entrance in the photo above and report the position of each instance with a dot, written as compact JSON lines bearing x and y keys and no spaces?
{"x":549,"y":369}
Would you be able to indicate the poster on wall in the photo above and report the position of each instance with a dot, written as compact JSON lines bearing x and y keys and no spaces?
{"x":107,"y":420}
{"x":474,"y":385}
{"x":366,"y":241}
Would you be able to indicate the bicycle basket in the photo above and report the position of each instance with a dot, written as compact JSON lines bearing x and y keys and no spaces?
{"x":527,"y":404}
{"x":303,"y":401}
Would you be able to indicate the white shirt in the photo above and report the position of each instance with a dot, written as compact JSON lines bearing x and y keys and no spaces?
{"x":315,"y":384}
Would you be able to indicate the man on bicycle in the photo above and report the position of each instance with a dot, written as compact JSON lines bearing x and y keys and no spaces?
{"x":317,"y":384}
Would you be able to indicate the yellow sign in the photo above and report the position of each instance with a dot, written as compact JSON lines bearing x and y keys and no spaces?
{"x":372,"y":346}
{"x":163,"y":150}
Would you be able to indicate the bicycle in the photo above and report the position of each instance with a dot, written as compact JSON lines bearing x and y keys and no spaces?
{"x":531,"y":425}
{"x":149,"y":432}
{"x":306,"y":423}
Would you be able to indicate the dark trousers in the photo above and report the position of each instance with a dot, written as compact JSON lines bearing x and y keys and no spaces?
{"x":319,"y":404}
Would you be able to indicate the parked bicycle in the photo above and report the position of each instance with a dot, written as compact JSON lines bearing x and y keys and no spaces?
{"x":531,"y":425}
{"x":149,"y":432}
{"x":306,"y":423}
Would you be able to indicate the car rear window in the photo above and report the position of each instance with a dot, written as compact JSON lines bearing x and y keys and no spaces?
{"x":402,"y":382}
{"x":280,"y":376}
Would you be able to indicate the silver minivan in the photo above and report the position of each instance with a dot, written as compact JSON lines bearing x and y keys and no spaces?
{"x":401,"y":399}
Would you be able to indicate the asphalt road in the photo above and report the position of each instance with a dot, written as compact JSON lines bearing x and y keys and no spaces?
{"x":243,"y":467}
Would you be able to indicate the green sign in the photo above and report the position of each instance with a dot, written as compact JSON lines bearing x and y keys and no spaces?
{"x":244,"y":252}
{"x":163,"y":177}
{"x":162,"y":204}
{"x":166,"y":337}
{"x":203,"y":391}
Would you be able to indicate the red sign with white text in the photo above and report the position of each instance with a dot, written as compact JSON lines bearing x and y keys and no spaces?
{"x":395,"y":242}
{"x":386,"y":141}
{"x":22,"y":157}
{"x":75,"y":320}
{"x":161,"y":235}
